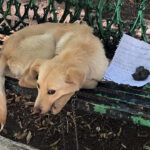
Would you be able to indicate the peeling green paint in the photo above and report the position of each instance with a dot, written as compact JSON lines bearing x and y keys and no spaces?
{"x":116,"y":99}
{"x":146,"y":95}
{"x":147,"y":86}
{"x":120,"y":100}
{"x":140,"y":113}
{"x":102,"y":109}
{"x":141,"y":121}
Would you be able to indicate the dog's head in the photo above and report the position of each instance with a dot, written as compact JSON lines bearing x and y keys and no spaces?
{"x":55,"y":80}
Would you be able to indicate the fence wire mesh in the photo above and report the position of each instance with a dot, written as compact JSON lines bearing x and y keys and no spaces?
{"x":109,"y":18}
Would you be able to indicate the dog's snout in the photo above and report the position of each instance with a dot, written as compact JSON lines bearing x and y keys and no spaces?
{"x":36,"y":110}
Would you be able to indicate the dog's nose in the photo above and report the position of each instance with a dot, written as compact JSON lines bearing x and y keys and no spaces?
{"x":36,"y":110}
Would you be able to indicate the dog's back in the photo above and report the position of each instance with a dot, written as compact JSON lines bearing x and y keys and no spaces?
{"x":85,"y":51}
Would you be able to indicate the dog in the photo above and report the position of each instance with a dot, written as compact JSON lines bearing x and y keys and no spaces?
{"x":65,"y":57}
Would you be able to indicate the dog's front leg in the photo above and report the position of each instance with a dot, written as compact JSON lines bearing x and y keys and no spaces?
{"x":3,"y":105}
{"x":60,"y":103}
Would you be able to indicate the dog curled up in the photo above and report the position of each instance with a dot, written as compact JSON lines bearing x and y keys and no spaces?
{"x":66,"y":58}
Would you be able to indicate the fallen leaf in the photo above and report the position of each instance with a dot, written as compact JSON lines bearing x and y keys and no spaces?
{"x":86,"y":148}
{"x":120,"y":131}
{"x":29,"y":103}
{"x":123,"y":146}
{"x":43,"y":128}
{"x":146,"y":147}
{"x":20,"y":136}
{"x":55,"y":143}
{"x":17,"y":99}
{"x":20,"y":124}
{"x":28,"y":138}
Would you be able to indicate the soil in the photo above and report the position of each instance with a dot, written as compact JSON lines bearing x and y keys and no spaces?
{"x":71,"y":129}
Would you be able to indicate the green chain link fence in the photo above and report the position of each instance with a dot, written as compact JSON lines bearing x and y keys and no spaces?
{"x":96,"y":12}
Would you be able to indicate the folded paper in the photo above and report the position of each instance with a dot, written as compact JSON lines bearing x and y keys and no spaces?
{"x":130,"y":54}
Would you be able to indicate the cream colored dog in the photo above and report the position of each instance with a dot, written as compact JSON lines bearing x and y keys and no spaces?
{"x":79,"y":62}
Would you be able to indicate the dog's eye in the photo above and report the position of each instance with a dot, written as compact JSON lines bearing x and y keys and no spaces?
{"x":51,"y":92}
{"x":37,"y":77}
{"x":38,"y":86}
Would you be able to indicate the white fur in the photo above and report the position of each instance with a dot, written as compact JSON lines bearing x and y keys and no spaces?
{"x":62,"y":41}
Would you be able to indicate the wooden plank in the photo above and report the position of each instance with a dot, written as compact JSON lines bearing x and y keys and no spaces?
{"x":116,"y":101}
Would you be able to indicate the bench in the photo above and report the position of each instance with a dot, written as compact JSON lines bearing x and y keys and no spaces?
{"x":116,"y":101}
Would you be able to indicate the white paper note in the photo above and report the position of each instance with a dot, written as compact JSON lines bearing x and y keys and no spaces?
{"x":130,"y":54}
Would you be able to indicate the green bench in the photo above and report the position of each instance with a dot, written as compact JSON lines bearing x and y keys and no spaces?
{"x":116,"y":101}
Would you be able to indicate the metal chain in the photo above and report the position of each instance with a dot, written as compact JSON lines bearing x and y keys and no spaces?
{"x":62,"y":128}
{"x":75,"y":124}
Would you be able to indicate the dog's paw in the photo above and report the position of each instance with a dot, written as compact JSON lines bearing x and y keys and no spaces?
{"x":2,"y":119}
{"x":3,"y":112}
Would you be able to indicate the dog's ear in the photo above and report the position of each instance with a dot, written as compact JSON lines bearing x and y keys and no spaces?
{"x":74,"y":77}
{"x":34,"y":68}
{"x":28,"y":78}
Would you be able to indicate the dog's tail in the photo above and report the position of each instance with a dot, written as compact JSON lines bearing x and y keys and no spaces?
{"x":3,"y":105}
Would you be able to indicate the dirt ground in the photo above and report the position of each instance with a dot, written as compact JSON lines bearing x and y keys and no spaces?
{"x":71,"y":129}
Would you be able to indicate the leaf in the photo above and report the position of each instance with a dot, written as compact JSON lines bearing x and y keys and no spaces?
{"x":55,"y":143}
{"x":43,"y":128}
{"x":86,"y":148}
{"x":17,"y":99}
{"x":146,"y":147}
{"x":120,"y":131}
{"x":20,"y":136}
{"x":28,"y":138}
